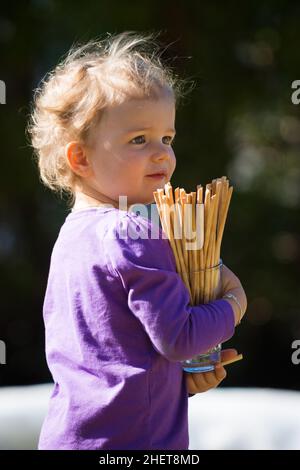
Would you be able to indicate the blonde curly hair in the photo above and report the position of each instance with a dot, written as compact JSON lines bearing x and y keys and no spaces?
{"x":70,"y":100}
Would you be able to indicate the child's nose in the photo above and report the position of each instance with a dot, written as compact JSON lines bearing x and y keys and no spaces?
{"x":161,"y":152}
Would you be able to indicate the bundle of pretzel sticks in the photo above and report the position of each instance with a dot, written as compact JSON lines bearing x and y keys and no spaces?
{"x":194,"y":224}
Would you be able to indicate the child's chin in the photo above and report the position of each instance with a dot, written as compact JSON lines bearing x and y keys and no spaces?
{"x":143,"y":201}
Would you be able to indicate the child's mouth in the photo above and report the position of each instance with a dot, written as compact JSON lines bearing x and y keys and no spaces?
{"x":156,"y":176}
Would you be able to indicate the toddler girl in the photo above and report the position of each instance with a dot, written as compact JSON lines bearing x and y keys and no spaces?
{"x":117,"y":316}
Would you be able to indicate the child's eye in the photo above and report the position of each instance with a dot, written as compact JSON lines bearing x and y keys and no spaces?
{"x":137,"y":138}
{"x":171,"y":139}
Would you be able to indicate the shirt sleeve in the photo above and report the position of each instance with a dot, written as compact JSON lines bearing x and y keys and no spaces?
{"x":157,"y":296}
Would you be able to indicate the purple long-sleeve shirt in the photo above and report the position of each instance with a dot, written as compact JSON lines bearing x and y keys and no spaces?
{"x":118,"y":324}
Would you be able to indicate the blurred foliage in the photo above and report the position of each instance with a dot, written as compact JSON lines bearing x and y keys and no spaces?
{"x":238,"y":121}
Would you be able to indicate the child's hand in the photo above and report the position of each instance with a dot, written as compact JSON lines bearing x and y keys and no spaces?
{"x":201,"y":382}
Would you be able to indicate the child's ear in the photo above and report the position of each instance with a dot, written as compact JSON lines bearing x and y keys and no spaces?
{"x":77,"y":159}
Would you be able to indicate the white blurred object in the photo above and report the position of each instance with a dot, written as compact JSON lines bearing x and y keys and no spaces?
{"x":245,"y":418}
{"x":228,"y":418}
{"x":22,"y":410}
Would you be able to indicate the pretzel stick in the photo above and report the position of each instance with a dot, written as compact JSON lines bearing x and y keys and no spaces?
{"x":190,"y":223}
{"x":210,"y":243}
{"x":224,"y":191}
{"x":239,"y":357}
{"x":208,"y":219}
{"x":182,"y":196}
{"x":215,"y":254}
{"x":200,"y":221}
{"x":223,"y":218}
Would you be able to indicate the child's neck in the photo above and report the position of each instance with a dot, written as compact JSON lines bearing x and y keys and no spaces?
{"x":84,"y":199}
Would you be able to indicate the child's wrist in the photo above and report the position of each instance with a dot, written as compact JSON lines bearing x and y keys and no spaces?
{"x":236,"y":306}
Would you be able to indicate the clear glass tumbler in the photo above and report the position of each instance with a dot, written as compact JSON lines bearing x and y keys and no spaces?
{"x":210,"y":279}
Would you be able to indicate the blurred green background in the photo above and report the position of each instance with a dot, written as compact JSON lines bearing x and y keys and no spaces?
{"x":239,"y":121}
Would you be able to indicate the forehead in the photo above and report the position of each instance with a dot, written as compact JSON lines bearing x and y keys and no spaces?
{"x":141,"y":113}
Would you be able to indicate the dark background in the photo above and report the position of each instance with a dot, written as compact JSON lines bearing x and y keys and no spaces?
{"x":238,"y":121}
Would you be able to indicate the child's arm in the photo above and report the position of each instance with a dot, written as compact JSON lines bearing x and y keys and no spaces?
{"x":158,"y":298}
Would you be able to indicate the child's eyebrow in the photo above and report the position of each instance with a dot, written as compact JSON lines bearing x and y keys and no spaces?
{"x":133,"y":131}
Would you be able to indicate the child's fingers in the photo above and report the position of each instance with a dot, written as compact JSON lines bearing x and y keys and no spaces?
{"x":202,"y":382}
{"x":228,"y":354}
{"x":220,"y":372}
{"x":195,"y":383}
{"x":212,"y":379}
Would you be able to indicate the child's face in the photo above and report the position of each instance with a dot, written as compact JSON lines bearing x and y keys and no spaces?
{"x":133,"y":141}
